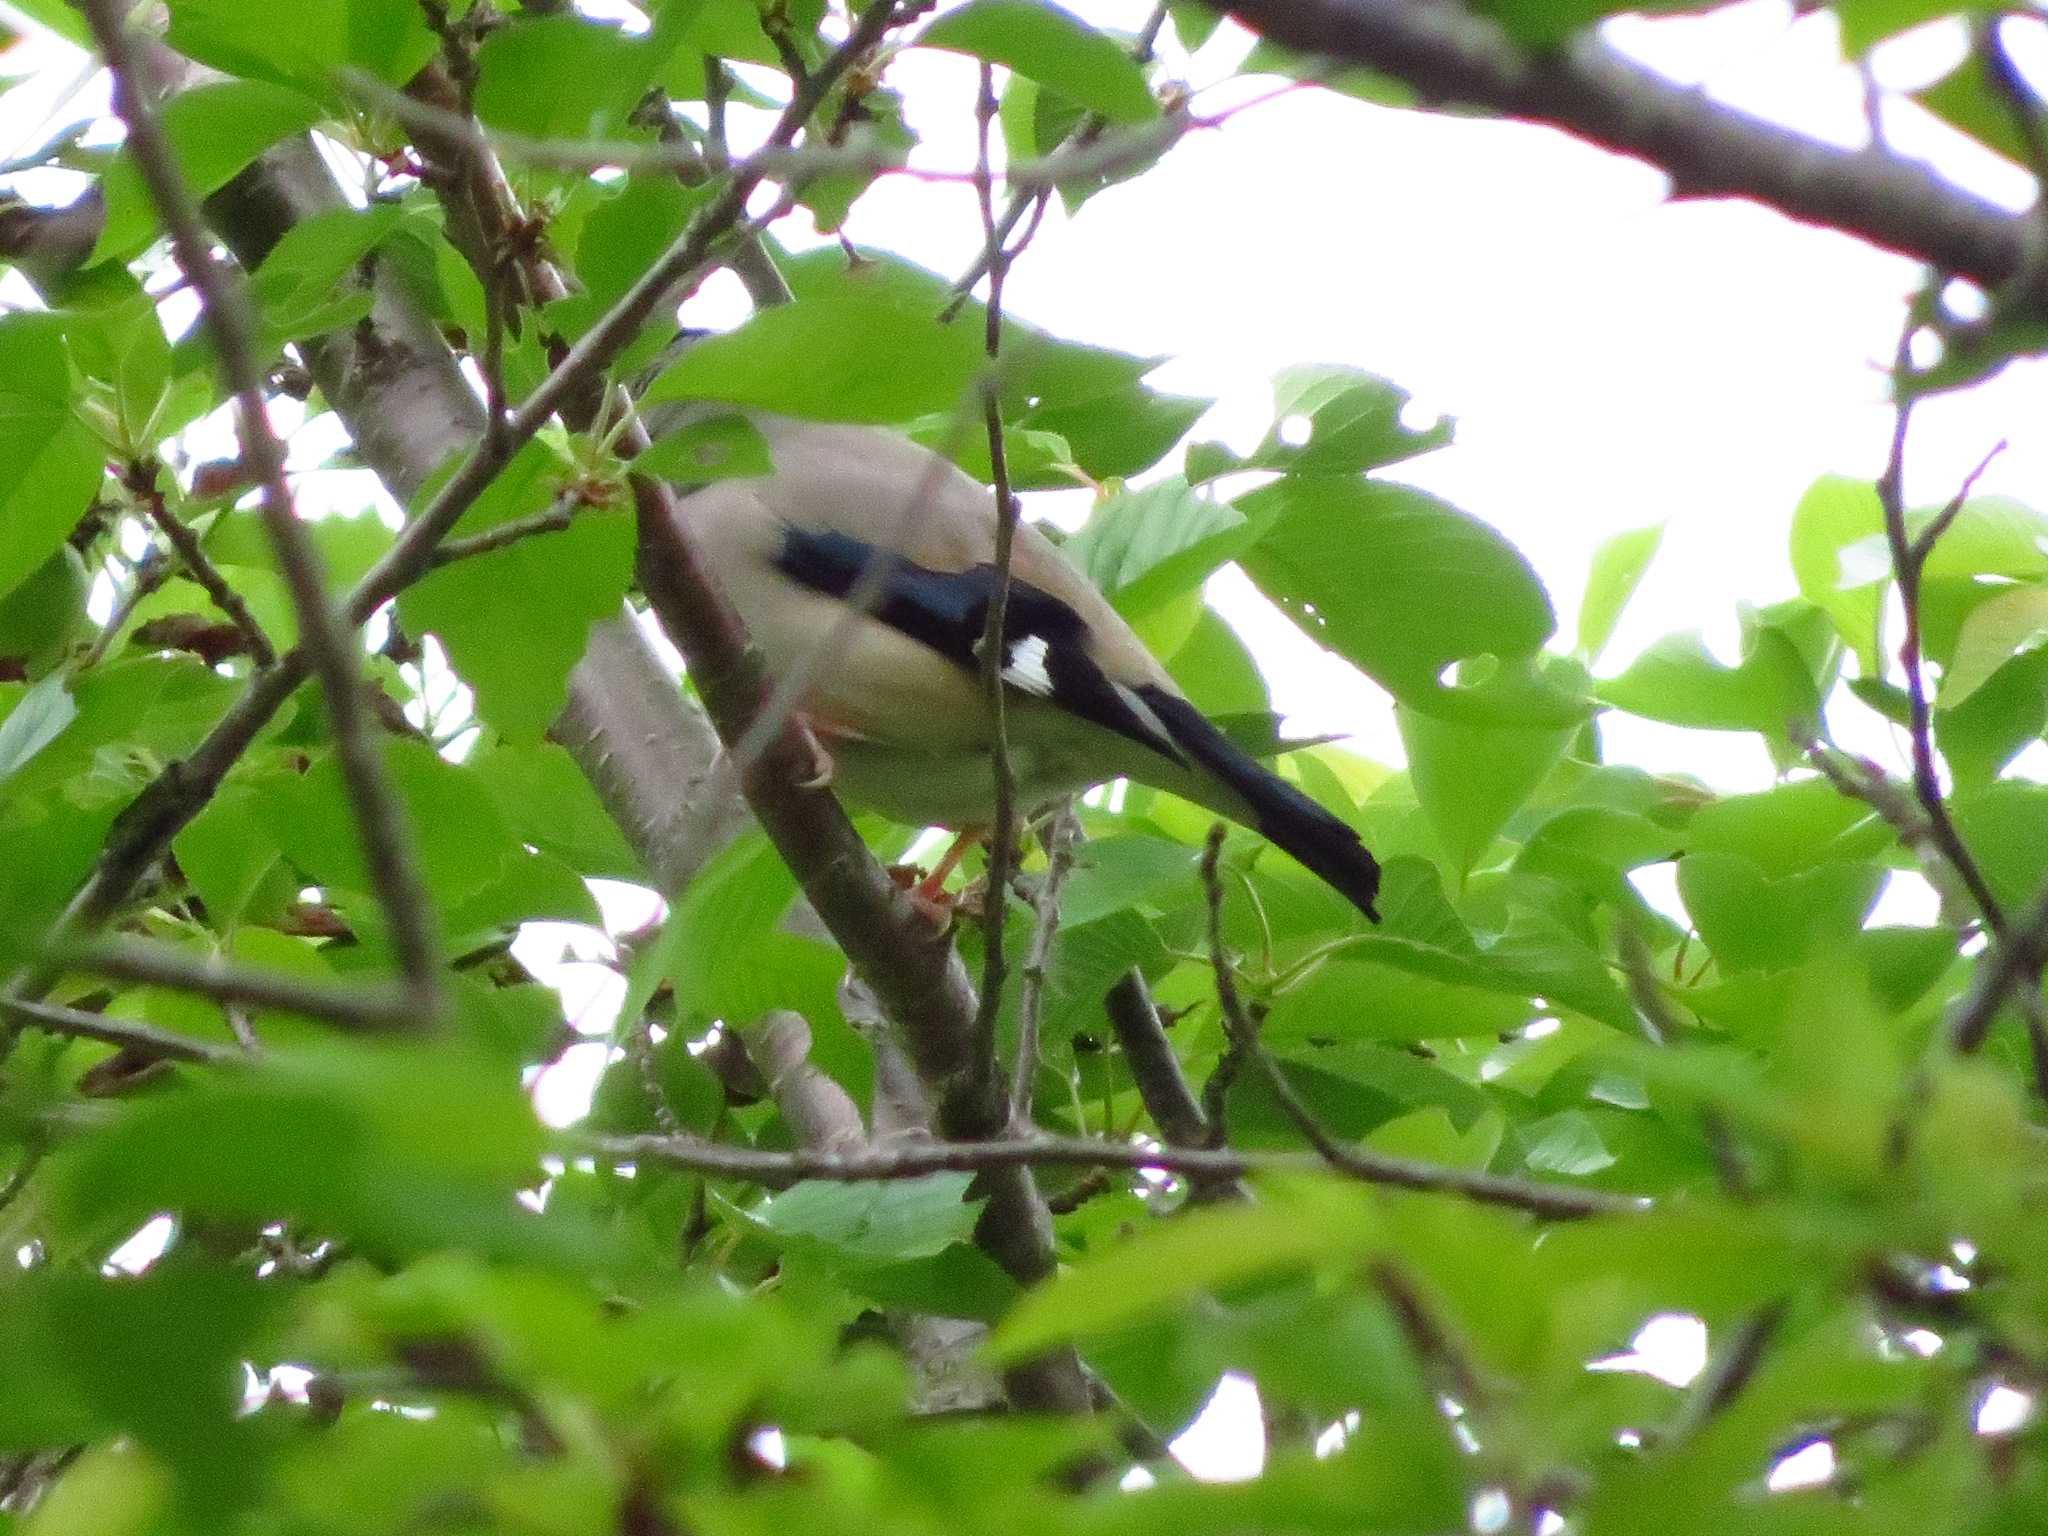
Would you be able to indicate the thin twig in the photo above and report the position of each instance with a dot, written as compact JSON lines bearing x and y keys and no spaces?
{"x":160,"y":965}
{"x":1033,"y":199}
{"x":917,"y":1159}
{"x":140,"y":477}
{"x":554,"y":520}
{"x":231,"y":323}
{"x":1428,"y":1337}
{"x":994,"y":644}
{"x":2010,"y":964}
{"x":1899,"y":808}
{"x":170,"y":801}
{"x":1729,"y":1371}
{"x":1059,"y":854}
{"x":1356,"y":1161}
{"x":145,"y":1039}
{"x":1909,"y":561}
{"x":150,"y":571}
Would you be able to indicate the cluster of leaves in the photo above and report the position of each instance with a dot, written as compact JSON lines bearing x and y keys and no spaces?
{"x":387,"y":1301}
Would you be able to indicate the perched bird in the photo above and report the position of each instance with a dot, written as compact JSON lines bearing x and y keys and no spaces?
{"x":898,"y":701}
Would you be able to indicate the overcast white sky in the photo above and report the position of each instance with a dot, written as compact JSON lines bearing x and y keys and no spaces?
{"x":1612,"y":358}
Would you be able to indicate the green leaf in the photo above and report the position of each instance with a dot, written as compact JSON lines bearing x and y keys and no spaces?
{"x":1788,"y":828}
{"x":1367,"y":999}
{"x":560,"y":77}
{"x":558,"y":583}
{"x":117,"y":339}
{"x":1988,"y":729}
{"x":1053,"y":47}
{"x":718,"y":447}
{"x":1471,"y":778}
{"x":1676,"y":681}
{"x":1198,"y":1251}
{"x":1865,"y":23}
{"x":49,"y":463}
{"x":1119,"y":433}
{"x":131,"y":714}
{"x":224,"y":852}
{"x":816,"y":358}
{"x":546,"y":801}
{"x":623,"y":235}
{"x":37,"y":719}
{"x":1403,"y":585}
{"x":302,"y":288}
{"x":723,"y":950}
{"x":1567,"y":1144}
{"x":1754,"y":923}
{"x":2005,"y":825}
{"x":386,"y":38}
{"x":1970,"y":102}
{"x":1143,"y":548}
{"x":1841,"y":560}
{"x":888,"y":1221}
{"x":2003,"y":626}
{"x":214,"y":131}
{"x":1618,"y":565}
{"x":461,"y":842}
{"x":1193,"y":22}
{"x":1216,"y":670}
{"x":1329,"y":419}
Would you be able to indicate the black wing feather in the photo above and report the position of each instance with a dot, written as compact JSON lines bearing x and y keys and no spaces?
{"x":948,"y":611}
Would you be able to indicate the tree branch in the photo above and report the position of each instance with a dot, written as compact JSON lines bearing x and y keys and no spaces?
{"x":1709,"y":150}
{"x":141,"y":480}
{"x":231,"y":323}
{"x":1059,"y":855}
{"x":1002,"y":837}
{"x":915,"y":1160}
{"x":159,"y":965}
{"x":1909,"y":562}
{"x":1356,"y":1162}
{"x":145,"y":1039}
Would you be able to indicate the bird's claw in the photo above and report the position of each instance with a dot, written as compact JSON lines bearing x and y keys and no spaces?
{"x":822,"y":768}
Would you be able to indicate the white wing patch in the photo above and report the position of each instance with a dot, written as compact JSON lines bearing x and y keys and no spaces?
{"x":1026,"y":667}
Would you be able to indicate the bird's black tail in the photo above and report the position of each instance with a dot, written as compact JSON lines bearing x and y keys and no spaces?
{"x":1280,"y":813}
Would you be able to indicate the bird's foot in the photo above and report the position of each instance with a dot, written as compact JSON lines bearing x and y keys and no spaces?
{"x":928,"y":892}
{"x":822,"y":769}
{"x":932,"y":902}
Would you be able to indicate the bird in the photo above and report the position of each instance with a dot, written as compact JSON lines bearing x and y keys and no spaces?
{"x":895,"y":694}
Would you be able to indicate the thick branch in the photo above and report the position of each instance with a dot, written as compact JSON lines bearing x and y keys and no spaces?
{"x":1709,"y":150}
